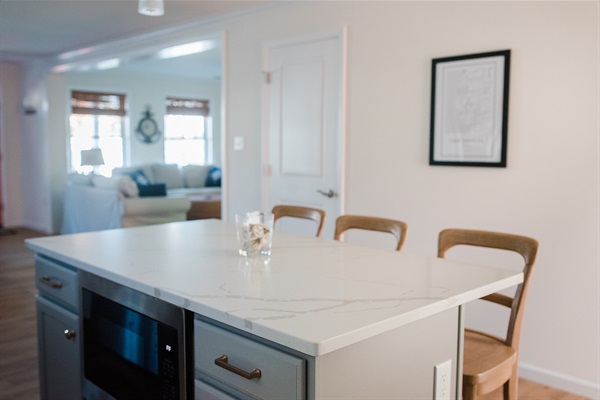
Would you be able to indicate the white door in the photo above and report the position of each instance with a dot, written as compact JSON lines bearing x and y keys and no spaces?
{"x":303,"y":118}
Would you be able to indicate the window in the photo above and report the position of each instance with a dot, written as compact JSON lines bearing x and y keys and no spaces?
{"x":97,"y":122}
{"x":188,"y":135}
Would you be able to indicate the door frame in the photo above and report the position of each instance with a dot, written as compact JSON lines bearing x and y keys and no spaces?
{"x":342,"y":36}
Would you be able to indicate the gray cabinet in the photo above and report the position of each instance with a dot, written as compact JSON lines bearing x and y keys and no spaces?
{"x":204,"y":391}
{"x":59,"y":355}
{"x":396,"y":364}
{"x":230,"y":365}
{"x":58,"y":331}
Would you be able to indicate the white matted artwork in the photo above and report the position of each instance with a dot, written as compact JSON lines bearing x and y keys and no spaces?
{"x":469,"y":109}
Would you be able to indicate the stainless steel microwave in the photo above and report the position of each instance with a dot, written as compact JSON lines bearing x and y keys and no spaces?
{"x":135,"y":346}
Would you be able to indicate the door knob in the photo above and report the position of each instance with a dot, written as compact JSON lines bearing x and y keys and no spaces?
{"x":69,"y":334}
{"x":329,"y":194}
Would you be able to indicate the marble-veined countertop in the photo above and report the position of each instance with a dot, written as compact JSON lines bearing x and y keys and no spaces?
{"x":312,"y":295}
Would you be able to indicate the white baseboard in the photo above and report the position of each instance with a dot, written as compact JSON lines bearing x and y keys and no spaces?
{"x":560,"y":381}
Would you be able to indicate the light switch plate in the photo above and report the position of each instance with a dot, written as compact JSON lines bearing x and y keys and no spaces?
{"x":238,"y":143}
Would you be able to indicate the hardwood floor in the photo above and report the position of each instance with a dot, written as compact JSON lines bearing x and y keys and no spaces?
{"x":534,"y":391}
{"x":18,"y":339}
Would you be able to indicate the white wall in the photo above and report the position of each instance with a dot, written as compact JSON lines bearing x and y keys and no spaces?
{"x":549,"y":189}
{"x":11,"y":107}
{"x":37,"y":146}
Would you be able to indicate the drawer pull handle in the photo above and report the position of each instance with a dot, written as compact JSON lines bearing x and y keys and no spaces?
{"x":46,"y":280}
{"x":223,"y":362}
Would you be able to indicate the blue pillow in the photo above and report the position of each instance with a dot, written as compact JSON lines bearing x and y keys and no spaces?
{"x":214,"y":177}
{"x":140,"y":178}
{"x":145,"y":187}
{"x":159,"y":189}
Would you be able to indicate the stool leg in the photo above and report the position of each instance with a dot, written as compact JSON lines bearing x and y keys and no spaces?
{"x":469,"y":392}
{"x":511,"y":387}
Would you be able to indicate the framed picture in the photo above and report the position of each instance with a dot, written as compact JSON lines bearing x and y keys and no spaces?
{"x":469,"y":109}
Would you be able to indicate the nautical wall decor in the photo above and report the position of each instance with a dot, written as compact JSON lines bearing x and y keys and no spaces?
{"x":147,"y":129}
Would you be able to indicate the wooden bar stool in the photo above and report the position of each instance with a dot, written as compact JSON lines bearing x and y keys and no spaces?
{"x":489,"y":361}
{"x":396,"y":228}
{"x":314,"y":214}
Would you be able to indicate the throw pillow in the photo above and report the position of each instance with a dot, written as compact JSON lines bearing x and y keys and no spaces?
{"x":168,"y":174}
{"x":147,"y":169}
{"x":127,"y":186}
{"x":214,"y":177}
{"x":194,"y":176}
{"x":139,"y":177}
{"x":145,"y":187}
{"x":157,"y":189}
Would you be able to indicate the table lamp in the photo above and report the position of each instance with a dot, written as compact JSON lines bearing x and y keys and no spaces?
{"x":92,"y":157}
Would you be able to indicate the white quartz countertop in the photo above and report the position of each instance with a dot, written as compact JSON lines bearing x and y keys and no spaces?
{"x":312,"y":295}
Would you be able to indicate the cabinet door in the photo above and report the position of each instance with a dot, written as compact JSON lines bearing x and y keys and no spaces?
{"x":59,"y":352}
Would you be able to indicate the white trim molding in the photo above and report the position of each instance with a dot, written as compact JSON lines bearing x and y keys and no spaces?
{"x":560,"y":381}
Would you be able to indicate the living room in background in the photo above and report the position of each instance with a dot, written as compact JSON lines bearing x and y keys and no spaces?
{"x":188,"y":132}
{"x":96,"y":121}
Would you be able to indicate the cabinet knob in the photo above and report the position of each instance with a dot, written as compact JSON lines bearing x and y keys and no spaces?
{"x":69,"y":334}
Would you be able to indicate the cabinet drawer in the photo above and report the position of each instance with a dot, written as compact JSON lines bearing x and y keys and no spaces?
{"x":282,"y":376}
{"x":56,"y":282}
{"x":204,"y":391}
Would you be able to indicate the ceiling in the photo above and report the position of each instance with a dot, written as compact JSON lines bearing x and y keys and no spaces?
{"x":43,"y":28}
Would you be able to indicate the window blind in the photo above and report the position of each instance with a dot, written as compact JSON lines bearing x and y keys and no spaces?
{"x":180,"y":106}
{"x":97,"y":103}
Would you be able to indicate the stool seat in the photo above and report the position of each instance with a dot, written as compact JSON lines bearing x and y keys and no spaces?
{"x":488,"y":361}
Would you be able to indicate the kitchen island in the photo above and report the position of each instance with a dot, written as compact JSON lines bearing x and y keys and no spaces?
{"x":365,"y":323}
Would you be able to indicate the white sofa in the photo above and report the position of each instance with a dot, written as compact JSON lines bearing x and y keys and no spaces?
{"x":94,"y":202}
{"x":190,"y":180}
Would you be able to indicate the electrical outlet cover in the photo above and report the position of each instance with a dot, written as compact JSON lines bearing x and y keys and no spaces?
{"x":442,"y":380}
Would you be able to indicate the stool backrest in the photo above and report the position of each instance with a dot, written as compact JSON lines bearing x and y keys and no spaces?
{"x":315,"y":214}
{"x":395,"y":227}
{"x":525,"y":246}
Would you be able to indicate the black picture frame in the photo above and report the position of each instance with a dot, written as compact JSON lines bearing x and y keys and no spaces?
{"x":469,"y":109}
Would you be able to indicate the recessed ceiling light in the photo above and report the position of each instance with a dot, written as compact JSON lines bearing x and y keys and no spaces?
{"x":186,"y":49}
{"x":153,"y":8}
